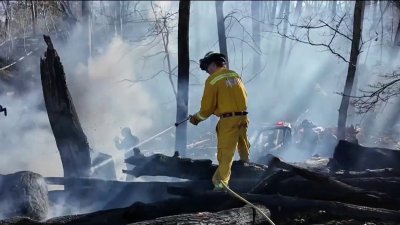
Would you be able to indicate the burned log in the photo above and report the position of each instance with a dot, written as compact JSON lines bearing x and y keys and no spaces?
{"x":240,"y":216}
{"x":387,"y":172}
{"x":283,"y":206}
{"x":186,"y":168}
{"x":70,"y":139}
{"x":312,"y":185}
{"x":350,"y":156}
{"x":388,"y":185}
{"x":23,"y":194}
{"x":117,"y":194}
{"x":140,"y":212}
{"x":337,"y":210}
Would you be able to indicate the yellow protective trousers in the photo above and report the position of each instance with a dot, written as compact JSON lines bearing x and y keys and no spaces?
{"x":232,"y":134}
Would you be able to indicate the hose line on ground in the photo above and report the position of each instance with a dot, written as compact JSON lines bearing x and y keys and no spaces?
{"x":234,"y":194}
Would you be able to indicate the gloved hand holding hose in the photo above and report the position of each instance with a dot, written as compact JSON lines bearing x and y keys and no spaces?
{"x":192,"y":119}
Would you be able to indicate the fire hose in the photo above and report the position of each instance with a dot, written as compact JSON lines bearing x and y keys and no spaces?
{"x":236,"y":195}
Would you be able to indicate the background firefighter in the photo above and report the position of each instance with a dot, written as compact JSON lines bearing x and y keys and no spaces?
{"x":224,"y":96}
{"x":127,"y":144}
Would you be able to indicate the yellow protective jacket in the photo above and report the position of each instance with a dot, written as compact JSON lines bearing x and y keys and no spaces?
{"x":224,"y":92}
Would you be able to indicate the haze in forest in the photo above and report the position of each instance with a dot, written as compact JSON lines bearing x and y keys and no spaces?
{"x":126,"y":83}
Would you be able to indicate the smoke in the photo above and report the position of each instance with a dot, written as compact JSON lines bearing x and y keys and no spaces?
{"x":122,"y":86}
{"x":27,"y":142}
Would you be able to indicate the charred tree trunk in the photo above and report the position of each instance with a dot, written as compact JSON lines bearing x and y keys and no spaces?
{"x":323,"y":187}
{"x":335,"y":209}
{"x":137,"y":212}
{"x":350,"y":156}
{"x":221,"y":29}
{"x":242,"y":216}
{"x":355,"y":51}
{"x":70,"y":139}
{"x":183,"y":76}
{"x":162,"y":165}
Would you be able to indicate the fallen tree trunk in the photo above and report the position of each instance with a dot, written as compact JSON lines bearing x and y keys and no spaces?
{"x":337,"y":210}
{"x":350,"y":156}
{"x":240,"y":216}
{"x":70,"y":139}
{"x":321,"y":187}
{"x":162,"y":165}
{"x":214,"y":202}
{"x":141,"y":212}
{"x":386,"y":172}
{"x":117,"y":194}
{"x":388,"y":185}
{"x":282,"y":206}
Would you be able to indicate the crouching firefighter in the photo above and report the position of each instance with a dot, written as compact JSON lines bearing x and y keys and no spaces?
{"x":224,"y":96}
{"x":3,"y":110}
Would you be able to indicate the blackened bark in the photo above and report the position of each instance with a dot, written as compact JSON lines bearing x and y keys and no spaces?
{"x":221,"y":29}
{"x":242,"y":216}
{"x":70,"y":138}
{"x":183,"y":76}
{"x":350,"y":156}
{"x":355,"y":51}
{"x":185,"y":168}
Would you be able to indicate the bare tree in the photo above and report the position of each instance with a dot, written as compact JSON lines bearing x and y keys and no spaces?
{"x":33,"y":7}
{"x":255,"y":11}
{"x":221,"y":29}
{"x":298,"y":8}
{"x":183,"y":76}
{"x":397,"y":35}
{"x":355,"y":51}
{"x":378,"y":93}
{"x":117,"y":18}
{"x":284,"y":12}
{"x":333,"y":9}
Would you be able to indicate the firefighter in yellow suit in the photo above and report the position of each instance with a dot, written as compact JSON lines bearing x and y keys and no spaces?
{"x":224,"y":96}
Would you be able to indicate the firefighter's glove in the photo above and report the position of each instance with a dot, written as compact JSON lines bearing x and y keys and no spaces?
{"x":194,"y":120}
